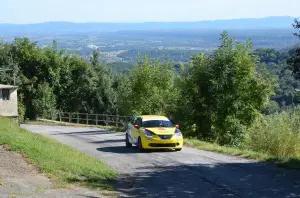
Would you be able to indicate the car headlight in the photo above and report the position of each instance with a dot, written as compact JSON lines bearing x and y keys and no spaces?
{"x":148,"y":133}
{"x":178,"y":133}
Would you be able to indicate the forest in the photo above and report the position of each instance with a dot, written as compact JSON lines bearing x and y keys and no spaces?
{"x":222,"y":97}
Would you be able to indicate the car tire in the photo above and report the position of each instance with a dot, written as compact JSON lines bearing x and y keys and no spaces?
{"x":128,"y":144}
{"x":140,"y":145}
{"x":179,"y":149}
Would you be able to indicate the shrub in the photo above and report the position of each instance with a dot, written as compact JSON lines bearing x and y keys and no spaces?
{"x":277,"y":134}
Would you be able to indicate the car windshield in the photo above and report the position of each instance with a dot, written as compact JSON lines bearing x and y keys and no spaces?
{"x":157,"y":123}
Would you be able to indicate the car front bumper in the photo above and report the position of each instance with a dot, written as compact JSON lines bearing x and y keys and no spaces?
{"x":157,"y":143}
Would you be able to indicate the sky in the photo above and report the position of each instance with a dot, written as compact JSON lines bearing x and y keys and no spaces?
{"x":36,"y":11}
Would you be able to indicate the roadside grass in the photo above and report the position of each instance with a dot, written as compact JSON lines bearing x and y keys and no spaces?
{"x":273,"y":138}
{"x":284,"y":162}
{"x":192,"y":142}
{"x":61,"y":163}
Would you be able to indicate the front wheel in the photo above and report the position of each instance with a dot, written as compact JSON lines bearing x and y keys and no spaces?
{"x":179,"y":149}
{"x":128,"y":144}
{"x":140,"y":145}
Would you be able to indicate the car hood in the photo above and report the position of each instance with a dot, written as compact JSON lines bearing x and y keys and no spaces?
{"x":162,"y":130}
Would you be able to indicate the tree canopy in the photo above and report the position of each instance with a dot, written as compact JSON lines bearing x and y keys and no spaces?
{"x":215,"y":97}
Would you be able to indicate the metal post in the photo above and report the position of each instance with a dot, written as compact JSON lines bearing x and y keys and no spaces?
{"x":70,"y":118}
{"x":96,"y":119}
{"x":107,"y":120}
{"x":87,"y":119}
{"x":77,"y":118}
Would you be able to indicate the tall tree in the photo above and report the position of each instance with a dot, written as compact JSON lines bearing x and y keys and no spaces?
{"x":296,"y":25}
{"x":148,"y":89}
{"x":226,"y":91}
{"x":295,"y":60}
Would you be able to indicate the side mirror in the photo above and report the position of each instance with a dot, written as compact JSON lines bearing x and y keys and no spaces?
{"x":177,"y":126}
{"x":136,"y":126}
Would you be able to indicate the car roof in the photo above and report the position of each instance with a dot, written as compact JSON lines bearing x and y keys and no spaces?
{"x":153,"y":117}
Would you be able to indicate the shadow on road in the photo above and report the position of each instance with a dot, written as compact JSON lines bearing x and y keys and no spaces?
{"x":206,"y":180}
{"x":124,"y":149}
{"x":118,"y":149}
{"x":108,"y":141}
{"x":99,"y":132}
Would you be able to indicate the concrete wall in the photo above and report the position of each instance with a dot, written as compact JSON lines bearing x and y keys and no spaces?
{"x":9,"y":107}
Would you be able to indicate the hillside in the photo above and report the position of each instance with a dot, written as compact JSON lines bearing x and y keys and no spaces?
{"x":63,"y":27}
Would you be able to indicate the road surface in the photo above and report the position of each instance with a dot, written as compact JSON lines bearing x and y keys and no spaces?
{"x":188,"y":173}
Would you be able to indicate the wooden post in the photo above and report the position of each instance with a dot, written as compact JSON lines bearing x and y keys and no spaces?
{"x":77,"y":118}
{"x":96,"y":119}
{"x":87,"y":119}
{"x":127,"y":121}
{"x":52,"y":115}
{"x":59,"y":116}
{"x":116,"y":120}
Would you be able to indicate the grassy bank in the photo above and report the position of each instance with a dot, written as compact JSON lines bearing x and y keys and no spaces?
{"x":285,"y":162}
{"x":62,"y":163}
{"x":274,"y":138}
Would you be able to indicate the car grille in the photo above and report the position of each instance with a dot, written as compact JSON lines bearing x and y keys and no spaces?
{"x":163,"y":145}
{"x":165,"y":137}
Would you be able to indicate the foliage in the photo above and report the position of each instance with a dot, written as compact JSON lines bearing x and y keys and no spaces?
{"x":216,"y":97}
{"x":276,"y":135}
{"x":21,"y":108}
{"x":45,"y":103}
{"x":120,"y":67}
{"x":226,"y":92}
{"x":297,"y":26}
{"x":148,"y":89}
{"x":275,"y":62}
{"x":50,"y":79}
{"x":295,"y":60}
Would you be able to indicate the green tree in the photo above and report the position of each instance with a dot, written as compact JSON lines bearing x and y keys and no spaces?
{"x":105,"y":94}
{"x":76,"y":84}
{"x":226,"y":91}
{"x":295,"y":60}
{"x":296,"y":25}
{"x":148,"y":89}
{"x":44,"y":102}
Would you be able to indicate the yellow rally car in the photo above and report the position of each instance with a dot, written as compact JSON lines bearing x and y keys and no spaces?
{"x":153,"y":132}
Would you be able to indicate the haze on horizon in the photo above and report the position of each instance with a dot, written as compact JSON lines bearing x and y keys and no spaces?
{"x":37,"y":11}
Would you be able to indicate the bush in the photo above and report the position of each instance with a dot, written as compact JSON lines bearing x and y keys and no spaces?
{"x":225,"y":92}
{"x":276,"y":135}
{"x":21,"y":109}
{"x":45,"y":101}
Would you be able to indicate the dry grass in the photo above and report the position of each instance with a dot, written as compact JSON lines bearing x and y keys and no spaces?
{"x":274,"y":138}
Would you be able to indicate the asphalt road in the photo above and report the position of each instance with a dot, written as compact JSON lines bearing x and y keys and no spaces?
{"x":188,"y":173}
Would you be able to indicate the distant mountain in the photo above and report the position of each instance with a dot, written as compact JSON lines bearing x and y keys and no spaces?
{"x":69,"y":27}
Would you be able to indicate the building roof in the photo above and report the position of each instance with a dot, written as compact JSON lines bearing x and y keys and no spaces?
{"x":7,"y":86}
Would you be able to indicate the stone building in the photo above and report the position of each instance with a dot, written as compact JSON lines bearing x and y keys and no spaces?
{"x":8,"y":101}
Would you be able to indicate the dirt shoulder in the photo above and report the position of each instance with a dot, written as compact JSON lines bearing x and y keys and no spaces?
{"x":21,"y":179}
